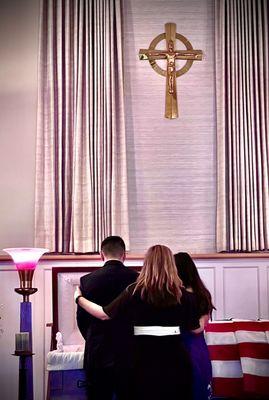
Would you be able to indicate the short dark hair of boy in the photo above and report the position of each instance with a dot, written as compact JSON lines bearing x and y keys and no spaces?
{"x":113,"y":246}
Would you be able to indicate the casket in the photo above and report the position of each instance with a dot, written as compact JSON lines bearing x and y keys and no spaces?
{"x":239,"y":350}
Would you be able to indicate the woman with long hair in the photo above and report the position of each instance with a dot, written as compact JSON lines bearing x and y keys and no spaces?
{"x":195,"y":344}
{"x":159,"y":308}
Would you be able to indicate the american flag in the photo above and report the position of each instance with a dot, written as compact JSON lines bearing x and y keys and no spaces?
{"x":239,"y":352}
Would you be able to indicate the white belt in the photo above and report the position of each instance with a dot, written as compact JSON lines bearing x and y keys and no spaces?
{"x":156,"y":330}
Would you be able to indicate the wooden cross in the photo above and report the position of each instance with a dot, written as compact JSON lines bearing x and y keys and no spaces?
{"x":171,"y":55}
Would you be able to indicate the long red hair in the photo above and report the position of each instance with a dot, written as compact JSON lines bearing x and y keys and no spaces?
{"x":158,"y":282}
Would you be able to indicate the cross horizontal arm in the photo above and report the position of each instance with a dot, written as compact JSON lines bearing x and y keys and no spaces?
{"x":145,"y":54}
{"x":188,"y":55}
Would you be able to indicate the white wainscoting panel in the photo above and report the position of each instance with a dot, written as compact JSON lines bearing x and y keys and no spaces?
{"x":208,"y":277}
{"x":241,"y":296}
{"x":264,"y":290}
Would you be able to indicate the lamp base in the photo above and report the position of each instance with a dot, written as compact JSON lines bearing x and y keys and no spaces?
{"x":26,"y":390}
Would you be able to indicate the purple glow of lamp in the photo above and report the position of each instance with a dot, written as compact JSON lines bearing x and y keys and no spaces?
{"x":26,"y":260}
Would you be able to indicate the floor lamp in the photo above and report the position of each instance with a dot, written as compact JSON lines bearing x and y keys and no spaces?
{"x":26,"y":260}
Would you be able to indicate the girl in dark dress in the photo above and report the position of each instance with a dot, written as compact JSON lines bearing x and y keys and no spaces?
{"x":195,"y":344}
{"x":159,"y":308}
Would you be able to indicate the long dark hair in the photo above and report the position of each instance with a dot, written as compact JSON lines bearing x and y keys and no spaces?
{"x":159,"y":282}
{"x":190,"y":277}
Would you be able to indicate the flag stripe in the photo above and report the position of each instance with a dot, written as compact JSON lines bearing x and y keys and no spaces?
{"x":227,"y":352}
{"x":220,"y":338}
{"x":255,"y":367}
{"x":228,"y":387}
{"x":250,"y":336}
{"x":256,"y":384}
{"x":227,"y":369}
{"x":254,"y":350}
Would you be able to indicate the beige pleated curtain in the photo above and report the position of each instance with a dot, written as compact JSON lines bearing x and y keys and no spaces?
{"x":81,"y":183}
{"x":242,"y":124}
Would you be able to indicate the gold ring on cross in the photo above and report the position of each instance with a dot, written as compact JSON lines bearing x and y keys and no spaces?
{"x":153,"y":62}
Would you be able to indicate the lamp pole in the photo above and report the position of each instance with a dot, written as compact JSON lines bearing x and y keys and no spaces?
{"x":26,"y":260}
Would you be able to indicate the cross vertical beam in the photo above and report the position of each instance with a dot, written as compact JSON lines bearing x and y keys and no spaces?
{"x":171,"y":108}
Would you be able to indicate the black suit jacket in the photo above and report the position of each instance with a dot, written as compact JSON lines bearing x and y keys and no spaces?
{"x":107,"y":342}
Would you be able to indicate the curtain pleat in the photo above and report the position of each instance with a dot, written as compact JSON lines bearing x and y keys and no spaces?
{"x":241,"y":37}
{"x":81,"y":183}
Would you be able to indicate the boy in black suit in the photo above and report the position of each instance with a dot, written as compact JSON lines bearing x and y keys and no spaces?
{"x":107,"y":342}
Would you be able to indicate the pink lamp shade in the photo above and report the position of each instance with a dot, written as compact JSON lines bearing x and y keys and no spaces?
{"x":25,"y":258}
